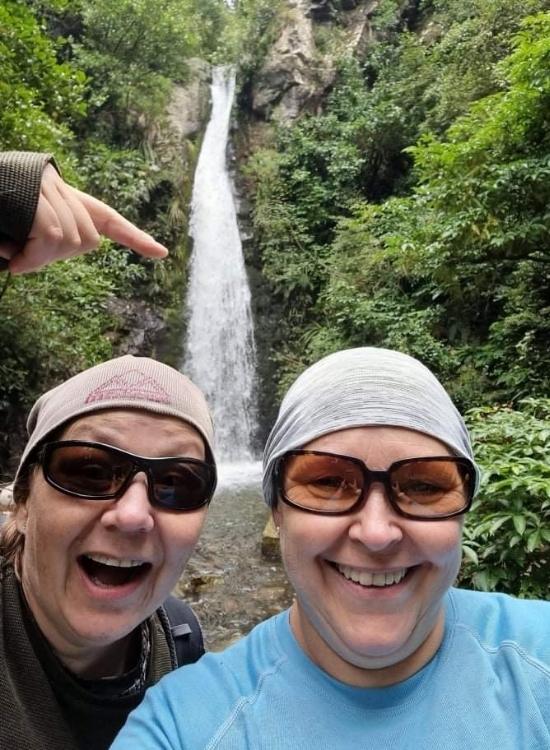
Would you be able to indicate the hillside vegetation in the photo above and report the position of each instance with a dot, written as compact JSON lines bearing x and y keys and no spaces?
{"x":408,"y":209}
{"x":413,"y":212}
{"x":89,"y":82}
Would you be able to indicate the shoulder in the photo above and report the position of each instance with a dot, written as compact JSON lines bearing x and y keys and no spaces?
{"x":214,"y":691}
{"x":502,"y":621}
{"x":237,"y":671}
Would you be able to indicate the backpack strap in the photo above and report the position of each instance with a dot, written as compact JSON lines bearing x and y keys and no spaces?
{"x":185,"y":630}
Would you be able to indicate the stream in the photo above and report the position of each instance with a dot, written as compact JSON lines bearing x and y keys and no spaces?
{"x":228,"y":581}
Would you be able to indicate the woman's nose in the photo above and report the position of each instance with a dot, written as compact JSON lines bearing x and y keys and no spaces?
{"x":132,"y":511}
{"x":376,"y":525}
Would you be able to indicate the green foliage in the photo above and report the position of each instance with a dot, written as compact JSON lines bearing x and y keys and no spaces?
{"x":132,"y":50}
{"x":140,"y":35}
{"x":89,"y":82}
{"x":122,"y":177}
{"x":474,"y":36}
{"x":249,"y":31}
{"x":53,"y":325}
{"x":507,"y":532}
{"x":486,"y":190}
{"x":455,"y":272}
{"x":40,"y":97}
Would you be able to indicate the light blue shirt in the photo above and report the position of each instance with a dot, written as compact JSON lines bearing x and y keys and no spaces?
{"x":488,"y":686}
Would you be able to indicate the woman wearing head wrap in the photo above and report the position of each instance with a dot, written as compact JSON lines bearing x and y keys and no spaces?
{"x":110,"y":497}
{"x":368,"y":471}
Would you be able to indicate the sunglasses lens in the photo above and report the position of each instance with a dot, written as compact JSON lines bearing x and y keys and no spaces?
{"x":87,"y":470}
{"x":430,"y":488}
{"x":419,"y":487}
{"x":97,"y":472}
{"x":183,"y":485}
{"x":323,"y":483}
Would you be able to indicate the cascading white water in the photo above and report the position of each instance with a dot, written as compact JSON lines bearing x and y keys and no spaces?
{"x":219,"y":352}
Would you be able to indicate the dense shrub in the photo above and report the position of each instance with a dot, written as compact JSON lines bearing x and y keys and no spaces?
{"x":507,"y":532}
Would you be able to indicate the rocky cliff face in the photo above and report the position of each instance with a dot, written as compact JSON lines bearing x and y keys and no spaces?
{"x":186,"y":115}
{"x":189,"y":108}
{"x":175,"y":144}
{"x":296,"y":73}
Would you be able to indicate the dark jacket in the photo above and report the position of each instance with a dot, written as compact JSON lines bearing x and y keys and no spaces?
{"x":45,"y":707}
{"x":20,"y":178}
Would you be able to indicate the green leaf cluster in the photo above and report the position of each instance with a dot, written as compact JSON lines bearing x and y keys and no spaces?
{"x":507,"y":532}
{"x":447,"y":261}
{"x":41,"y":97}
{"x":53,"y":325}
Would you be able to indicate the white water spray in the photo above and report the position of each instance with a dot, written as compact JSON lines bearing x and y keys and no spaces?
{"x":220,"y":353}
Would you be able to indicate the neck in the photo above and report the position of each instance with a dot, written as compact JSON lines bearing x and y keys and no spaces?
{"x":91,"y":662}
{"x":331,"y":662}
{"x":110,"y":661}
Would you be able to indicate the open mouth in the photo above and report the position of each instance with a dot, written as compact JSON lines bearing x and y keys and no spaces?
{"x":110,"y":571}
{"x":382,"y":579}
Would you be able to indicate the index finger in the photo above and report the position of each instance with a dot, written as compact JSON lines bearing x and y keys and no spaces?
{"x":111,"y":224}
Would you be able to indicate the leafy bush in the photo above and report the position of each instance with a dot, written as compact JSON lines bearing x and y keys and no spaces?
{"x":507,"y":532}
{"x":40,"y":97}
{"x":456,"y":271}
{"x":52,"y":325}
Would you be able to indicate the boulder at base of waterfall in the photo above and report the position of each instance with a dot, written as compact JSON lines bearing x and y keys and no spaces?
{"x":270,"y":541}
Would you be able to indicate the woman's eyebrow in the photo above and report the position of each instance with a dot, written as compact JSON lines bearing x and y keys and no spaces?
{"x":171,"y":445}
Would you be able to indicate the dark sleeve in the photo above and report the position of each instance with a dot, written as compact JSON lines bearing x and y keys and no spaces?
{"x":20,"y":178}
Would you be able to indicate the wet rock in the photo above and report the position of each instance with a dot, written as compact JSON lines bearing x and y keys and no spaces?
{"x":185,"y":118}
{"x":137,"y":327}
{"x":295,"y":76}
{"x":196,"y":584}
{"x":249,"y":587}
{"x":287,"y":80}
{"x":190,"y":103}
{"x":325,"y":10}
{"x":270,"y":541}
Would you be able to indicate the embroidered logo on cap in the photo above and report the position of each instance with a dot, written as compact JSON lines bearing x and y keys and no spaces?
{"x":132,"y":385}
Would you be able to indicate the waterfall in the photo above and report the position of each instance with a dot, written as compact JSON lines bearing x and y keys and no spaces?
{"x":220,"y":354}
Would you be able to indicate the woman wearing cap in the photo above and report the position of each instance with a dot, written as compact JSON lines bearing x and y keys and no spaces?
{"x":110,"y":497}
{"x":368,"y":471}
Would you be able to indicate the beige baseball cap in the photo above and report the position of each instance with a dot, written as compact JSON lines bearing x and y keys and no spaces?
{"x":124,"y":382}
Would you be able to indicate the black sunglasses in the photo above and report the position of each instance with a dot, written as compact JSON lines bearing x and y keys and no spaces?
{"x":429,"y":488}
{"x":95,"y":471}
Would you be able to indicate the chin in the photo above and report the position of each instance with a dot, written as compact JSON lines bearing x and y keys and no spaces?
{"x":373,"y":656}
{"x":105,"y":631}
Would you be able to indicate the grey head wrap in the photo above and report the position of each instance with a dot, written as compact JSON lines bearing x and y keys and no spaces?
{"x":358,"y":388}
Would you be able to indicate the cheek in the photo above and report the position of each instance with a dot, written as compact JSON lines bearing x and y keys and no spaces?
{"x":304,"y":537}
{"x":180,"y":535}
{"x":443,"y":548}
{"x":450,"y":543}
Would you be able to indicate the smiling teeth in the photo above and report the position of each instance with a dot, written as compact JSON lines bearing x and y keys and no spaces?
{"x":104,"y":560}
{"x":372,"y":579}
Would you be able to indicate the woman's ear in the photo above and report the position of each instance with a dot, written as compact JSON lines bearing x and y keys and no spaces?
{"x":21,"y":515}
